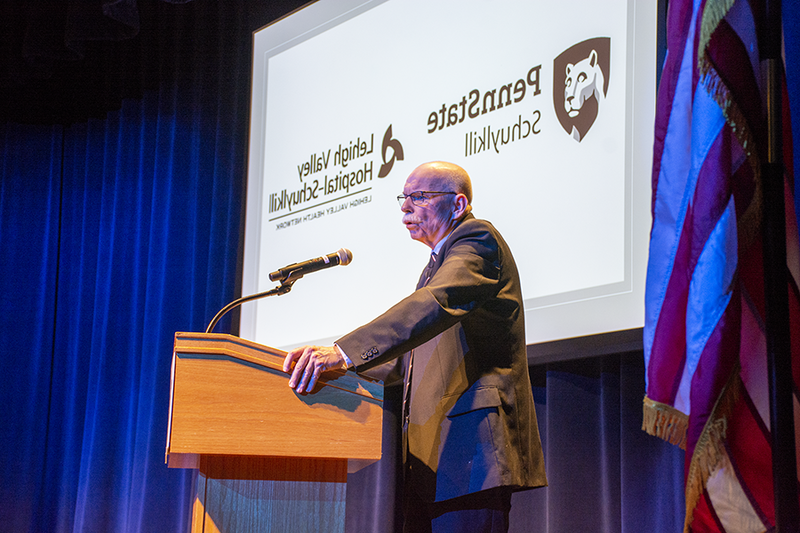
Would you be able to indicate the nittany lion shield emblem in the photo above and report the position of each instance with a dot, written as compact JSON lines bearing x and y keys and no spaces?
{"x":580,"y":84}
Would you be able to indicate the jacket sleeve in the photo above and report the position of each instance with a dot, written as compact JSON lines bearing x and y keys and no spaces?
{"x":466,"y":277}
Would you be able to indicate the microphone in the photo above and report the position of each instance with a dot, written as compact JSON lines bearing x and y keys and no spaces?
{"x":342,"y":257}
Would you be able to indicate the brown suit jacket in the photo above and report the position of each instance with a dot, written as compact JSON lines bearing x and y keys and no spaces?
{"x":471,"y":420}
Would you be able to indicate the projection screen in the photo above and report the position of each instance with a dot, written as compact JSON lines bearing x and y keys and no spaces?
{"x":548,"y":105}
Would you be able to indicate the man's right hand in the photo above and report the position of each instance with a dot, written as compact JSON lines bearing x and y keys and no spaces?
{"x":308,"y":362}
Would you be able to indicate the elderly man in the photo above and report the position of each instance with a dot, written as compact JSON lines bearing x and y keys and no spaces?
{"x":470,"y":433}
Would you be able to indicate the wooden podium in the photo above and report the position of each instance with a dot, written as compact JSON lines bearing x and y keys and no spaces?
{"x":269,"y":459}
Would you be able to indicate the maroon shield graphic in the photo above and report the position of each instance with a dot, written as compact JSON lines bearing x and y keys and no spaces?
{"x":580,"y":84}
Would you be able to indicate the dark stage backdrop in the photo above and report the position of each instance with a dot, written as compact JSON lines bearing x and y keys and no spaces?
{"x":117,"y":231}
{"x":115,"y":234}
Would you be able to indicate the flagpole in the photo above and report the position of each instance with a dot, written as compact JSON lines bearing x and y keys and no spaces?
{"x":784,"y":461}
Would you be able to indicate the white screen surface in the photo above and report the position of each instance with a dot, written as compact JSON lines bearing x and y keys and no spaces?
{"x":330,"y":81}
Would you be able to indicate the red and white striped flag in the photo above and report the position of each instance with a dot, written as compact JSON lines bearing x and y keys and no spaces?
{"x":705,"y":345}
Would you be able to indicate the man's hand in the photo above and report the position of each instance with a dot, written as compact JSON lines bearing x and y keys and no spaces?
{"x":309,"y":362}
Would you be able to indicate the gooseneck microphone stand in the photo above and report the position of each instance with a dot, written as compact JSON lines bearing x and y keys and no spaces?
{"x":283,"y":288}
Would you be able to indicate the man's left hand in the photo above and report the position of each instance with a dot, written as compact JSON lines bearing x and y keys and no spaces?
{"x":309,"y":362}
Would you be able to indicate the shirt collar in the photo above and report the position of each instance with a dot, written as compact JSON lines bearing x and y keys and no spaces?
{"x":438,"y":247}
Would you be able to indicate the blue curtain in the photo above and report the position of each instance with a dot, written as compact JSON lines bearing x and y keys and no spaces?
{"x":791,"y":46}
{"x":605,"y":474}
{"x":29,"y":224}
{"x":116,"y":232}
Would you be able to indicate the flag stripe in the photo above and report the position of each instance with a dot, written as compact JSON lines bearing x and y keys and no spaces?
{"x":704,"y":336}
{"x":669,"y":337}
{"x":705,"y":518}
{"x":754,"y":343}
{"x":729,"y":503}
{"x":670,"y":167}
{"x":750,"y":454}
{"x":679,"y":24}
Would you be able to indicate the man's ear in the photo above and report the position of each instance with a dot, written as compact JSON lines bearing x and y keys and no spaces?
{"x":461,"y":206}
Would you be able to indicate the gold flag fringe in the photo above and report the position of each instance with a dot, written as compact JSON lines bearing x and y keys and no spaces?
{"x":670,"y":424}
{"x":713,"y":13}
{"x":665,"y":422}
{"x":709,"y":451}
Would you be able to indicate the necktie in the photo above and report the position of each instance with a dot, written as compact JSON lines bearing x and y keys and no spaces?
{"x":426,"y":274}
{"x":423,"y":280}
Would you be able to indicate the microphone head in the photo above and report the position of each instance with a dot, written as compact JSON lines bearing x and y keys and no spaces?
{"x":345,"y":256}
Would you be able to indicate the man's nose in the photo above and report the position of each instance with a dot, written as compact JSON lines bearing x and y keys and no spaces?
{"x":407,"y":206}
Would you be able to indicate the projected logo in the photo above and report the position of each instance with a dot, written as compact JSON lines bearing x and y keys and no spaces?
{"x":396,"y":150}
{"x":580,"y":84}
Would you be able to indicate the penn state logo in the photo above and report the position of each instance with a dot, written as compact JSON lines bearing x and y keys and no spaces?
{"x":580,"y":84}
{"x":393,"y":145}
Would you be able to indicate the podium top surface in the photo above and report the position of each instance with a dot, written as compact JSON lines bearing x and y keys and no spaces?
{"x":272,"y":358}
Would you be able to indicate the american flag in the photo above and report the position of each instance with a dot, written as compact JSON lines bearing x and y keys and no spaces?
{"x":704,"y":337}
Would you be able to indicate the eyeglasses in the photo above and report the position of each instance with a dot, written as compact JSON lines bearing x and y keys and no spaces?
{"x":420,"y":198}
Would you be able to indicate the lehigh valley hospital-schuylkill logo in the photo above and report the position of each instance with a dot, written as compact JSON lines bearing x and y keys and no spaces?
{"x":335,"y":174}
{"x":580,"y":84}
